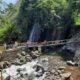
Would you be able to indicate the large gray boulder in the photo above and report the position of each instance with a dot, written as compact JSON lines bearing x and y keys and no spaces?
{"x":72,"y":49}
{"x":77,"y":57}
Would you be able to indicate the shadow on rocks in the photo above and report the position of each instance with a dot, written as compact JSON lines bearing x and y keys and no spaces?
{"x":67,"y":54}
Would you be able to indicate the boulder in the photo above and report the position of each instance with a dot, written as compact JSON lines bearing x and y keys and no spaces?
{"x":36,"y":51}
{"x":39,"y":70}
{"x":1,"y":65}
{"x":56,"y":73}
{"x":8,"y":77}
{"x":44,"y":59}
{"x":52,"y":71}
{"x":77,"y":57}
{"x":28,"y":58}
{"x":62,"y":68}
{"x":44,"y":62}
{"x":24,"y":77}
{"x":4,"y":64}
{"x":48,"y":73}
{"x":23,"y":53}
{"x":59,"y":71}
{"x":71,"y":63}
{"x":35,"y":54}
{"x":23,"y":60}
{"x":16,"y":62}
{"x":66,"y":76}
{"x":18,"y":56}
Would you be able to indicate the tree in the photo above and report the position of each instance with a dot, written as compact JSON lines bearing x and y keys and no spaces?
{"x":76,"y":11}
{"x":2,"y":7}
{"x":11,"y":9}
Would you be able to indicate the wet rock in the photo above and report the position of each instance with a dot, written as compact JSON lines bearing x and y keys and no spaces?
{"x":21,"y":69}
{"x":23,"y":53}
{"x":23,"y":60}
{"x":71,"y":63}
{"x":77,"y":57}
{"x":16,"y":62}
{"x":39,"y":67}
{"x":44,"y":59}
{"x":39,"y":73}
{"x":48,"y":73}
{"x":36,"y":51}
{"x":28,"y":58}
{"x":1,"y":65}
{"x":44,"y":62}
{"x":18,"y":56}
{"x":8,"y":77}
{"x":31,"y":77}
{"x":24,"y":77}
{"x":34,"y":54}
{"x":39,"y":70}
{"x":5,"y":64}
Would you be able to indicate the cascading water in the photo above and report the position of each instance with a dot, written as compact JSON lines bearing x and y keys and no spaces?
{"x":35,"y":33}
{"x":27,"y":71}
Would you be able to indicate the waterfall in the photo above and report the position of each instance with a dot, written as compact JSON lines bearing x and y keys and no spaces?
{"x":35,"y":33}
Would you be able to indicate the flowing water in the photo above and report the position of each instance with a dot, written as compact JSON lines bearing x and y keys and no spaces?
{"x":28,"y":68}
{"x":35,"y":33}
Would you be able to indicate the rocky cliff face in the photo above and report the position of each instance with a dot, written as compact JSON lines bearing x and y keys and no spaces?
{"x":37,"y":21}
{"x":72,"y":51}
{"x":55,"y":24}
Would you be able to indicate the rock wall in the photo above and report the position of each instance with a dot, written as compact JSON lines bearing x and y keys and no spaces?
{"x":72,"y":51}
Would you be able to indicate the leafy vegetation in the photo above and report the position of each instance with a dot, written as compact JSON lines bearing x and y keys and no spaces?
{"x":5,"y":19}
{"x":4,"y":26}
{"x":18,"y":18}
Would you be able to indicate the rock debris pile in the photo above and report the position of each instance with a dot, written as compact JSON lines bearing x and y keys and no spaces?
{"x":31,"y":66}
{"x":58,"y":74}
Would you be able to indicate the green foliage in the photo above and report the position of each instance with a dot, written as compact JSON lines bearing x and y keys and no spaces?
{"x":76,"y":17}
{"x":45,"y":12}
{"x":11,"y":9}
{"x":51,"y":4}
{"x":76,"y":11}
{"x":2,"y":7}
{"x":5,"y":24}
{"x":18,"y":19}
{"x":5,"y":19}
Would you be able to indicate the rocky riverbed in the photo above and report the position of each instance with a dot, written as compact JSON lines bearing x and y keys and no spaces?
{"x":34,"y":66}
